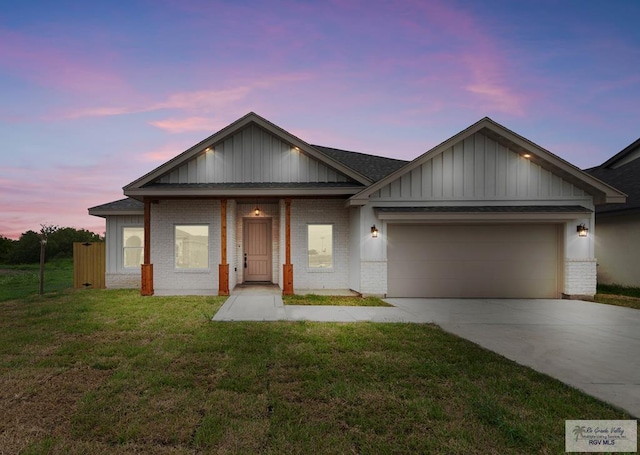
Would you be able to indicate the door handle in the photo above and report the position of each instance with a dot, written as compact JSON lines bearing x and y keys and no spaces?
{"x":245,"y":260}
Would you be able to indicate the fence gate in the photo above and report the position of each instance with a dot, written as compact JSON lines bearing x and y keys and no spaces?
{"x":88,"y":265}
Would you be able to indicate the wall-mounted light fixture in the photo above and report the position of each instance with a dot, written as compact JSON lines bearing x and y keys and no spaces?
{"x":374,"y":232}
{"x":256,"y":211}
{"x":582,"y":230}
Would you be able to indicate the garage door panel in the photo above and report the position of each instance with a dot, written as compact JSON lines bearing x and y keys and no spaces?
{"x":473,"y":261}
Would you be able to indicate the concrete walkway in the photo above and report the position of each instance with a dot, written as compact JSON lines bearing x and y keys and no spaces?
{"x":593,"y":347}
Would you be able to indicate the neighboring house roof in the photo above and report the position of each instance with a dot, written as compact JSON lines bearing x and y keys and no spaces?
{"x":125,"y":206}
{"x":371,"y":166}
{"x":623,"y":171}
{"x":602,"y":193}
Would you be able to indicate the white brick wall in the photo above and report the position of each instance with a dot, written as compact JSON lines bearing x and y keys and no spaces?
{"x":319,"y":211}
{"x":122,"y":280}
{"x":164,"y":216}
{"x":580,"y":277}
{"x":373,"y":278}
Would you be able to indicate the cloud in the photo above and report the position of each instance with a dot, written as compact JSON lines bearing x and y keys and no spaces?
{"x":182,"y":125}
{"x":164,"y":153}
{"x":198,"y":101}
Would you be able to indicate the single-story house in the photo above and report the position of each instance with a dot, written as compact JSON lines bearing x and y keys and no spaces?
{"x":617,"y":244}
{"x":487,"y":213}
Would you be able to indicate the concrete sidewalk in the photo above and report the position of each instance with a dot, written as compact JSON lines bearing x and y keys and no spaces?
{"x":587,"y":345}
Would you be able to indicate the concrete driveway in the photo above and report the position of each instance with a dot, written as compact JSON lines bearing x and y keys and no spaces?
{"x":590,"y":346}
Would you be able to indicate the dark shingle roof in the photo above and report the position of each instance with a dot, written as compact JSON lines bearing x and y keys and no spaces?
{"x":121,"y":206}
{"x":626,"y":178}
{"x":371,"y":166}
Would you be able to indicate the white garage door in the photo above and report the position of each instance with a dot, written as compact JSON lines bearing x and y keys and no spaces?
{"x":500,"y":261}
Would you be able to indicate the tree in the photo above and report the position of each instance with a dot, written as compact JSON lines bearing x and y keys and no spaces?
{"x":59,"y":244}
{"x":6,"y":246}
{"x":27,"y":249}
{"x":60,"y":241}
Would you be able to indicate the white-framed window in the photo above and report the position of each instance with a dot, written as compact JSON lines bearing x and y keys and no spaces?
{"x":132,"y":246}
{"x":320,"y":246}
{"x":192,"y":246}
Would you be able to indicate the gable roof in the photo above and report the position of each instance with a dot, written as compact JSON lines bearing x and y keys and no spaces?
{"x":149,"y":181}
{"x":601,"y":192}
{"x":623,"y":171}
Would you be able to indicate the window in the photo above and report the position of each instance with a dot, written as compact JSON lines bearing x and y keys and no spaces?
{"x":192,"y":246}
{"x":132,"y":246}
{"x":320,"y":246}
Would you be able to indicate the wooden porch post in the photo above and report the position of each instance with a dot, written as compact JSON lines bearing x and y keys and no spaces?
{"x":147,"y":267}
{"x":223,"y":267}
{"x":287,"y":267}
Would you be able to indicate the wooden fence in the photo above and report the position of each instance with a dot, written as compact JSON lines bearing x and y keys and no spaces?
{"x":88,"y":265}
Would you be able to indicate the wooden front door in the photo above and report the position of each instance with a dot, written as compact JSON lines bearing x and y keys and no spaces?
{"x":257,"y":249}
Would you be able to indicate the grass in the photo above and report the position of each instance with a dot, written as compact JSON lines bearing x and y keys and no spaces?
{"x":105,"y":372}
{"x":614,"y":294}
{"x":19,"y":281}
{"x":314,"y":299}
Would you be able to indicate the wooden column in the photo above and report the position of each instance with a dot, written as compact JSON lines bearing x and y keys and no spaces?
{"x":287,"y":267}
{"x":223,"y":267}
{"x":147,"y":268}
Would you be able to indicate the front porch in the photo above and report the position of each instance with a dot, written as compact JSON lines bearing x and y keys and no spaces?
{"x":209,"y":246}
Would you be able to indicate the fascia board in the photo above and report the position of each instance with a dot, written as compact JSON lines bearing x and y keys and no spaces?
{"x":110,"y":212}
{"x":250,"y":192}
{"x":472,"y":217}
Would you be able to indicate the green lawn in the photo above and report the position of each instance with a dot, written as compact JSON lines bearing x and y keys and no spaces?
{"x":105,"y":372}
{"x":19,"y":281}
{"x":314,"y":299}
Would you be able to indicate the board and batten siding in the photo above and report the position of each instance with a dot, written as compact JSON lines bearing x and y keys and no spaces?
{"x":114,"y":253}
{"x":478,"y":168}
{"x":253,"y":155}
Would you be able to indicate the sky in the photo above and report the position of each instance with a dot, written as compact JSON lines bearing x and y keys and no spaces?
{"x":94,"y":94}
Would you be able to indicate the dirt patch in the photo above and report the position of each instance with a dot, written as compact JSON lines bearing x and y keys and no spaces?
{"x":40,"y":402}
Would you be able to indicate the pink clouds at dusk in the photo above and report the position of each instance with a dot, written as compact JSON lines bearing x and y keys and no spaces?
{"x":96,"y":94}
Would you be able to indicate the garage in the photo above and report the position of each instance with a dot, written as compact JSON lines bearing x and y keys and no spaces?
{"x":474,"y":260}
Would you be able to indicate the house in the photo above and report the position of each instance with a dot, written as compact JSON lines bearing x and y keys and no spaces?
{"x":486,"y":213}
{"x":617,"y":245}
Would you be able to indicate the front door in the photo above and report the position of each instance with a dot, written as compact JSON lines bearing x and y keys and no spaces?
{"x":257,"y":249}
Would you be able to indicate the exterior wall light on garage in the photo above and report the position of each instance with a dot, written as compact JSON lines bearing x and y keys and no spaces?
{"x":582,"y":230}
{"x":374,"y":232}
{"x":256,"y":211}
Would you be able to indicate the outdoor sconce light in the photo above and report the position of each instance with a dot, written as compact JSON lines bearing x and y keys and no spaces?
{"x":374,"y":232}
{"x":582,"y":230}
{"x":256,"y":211}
